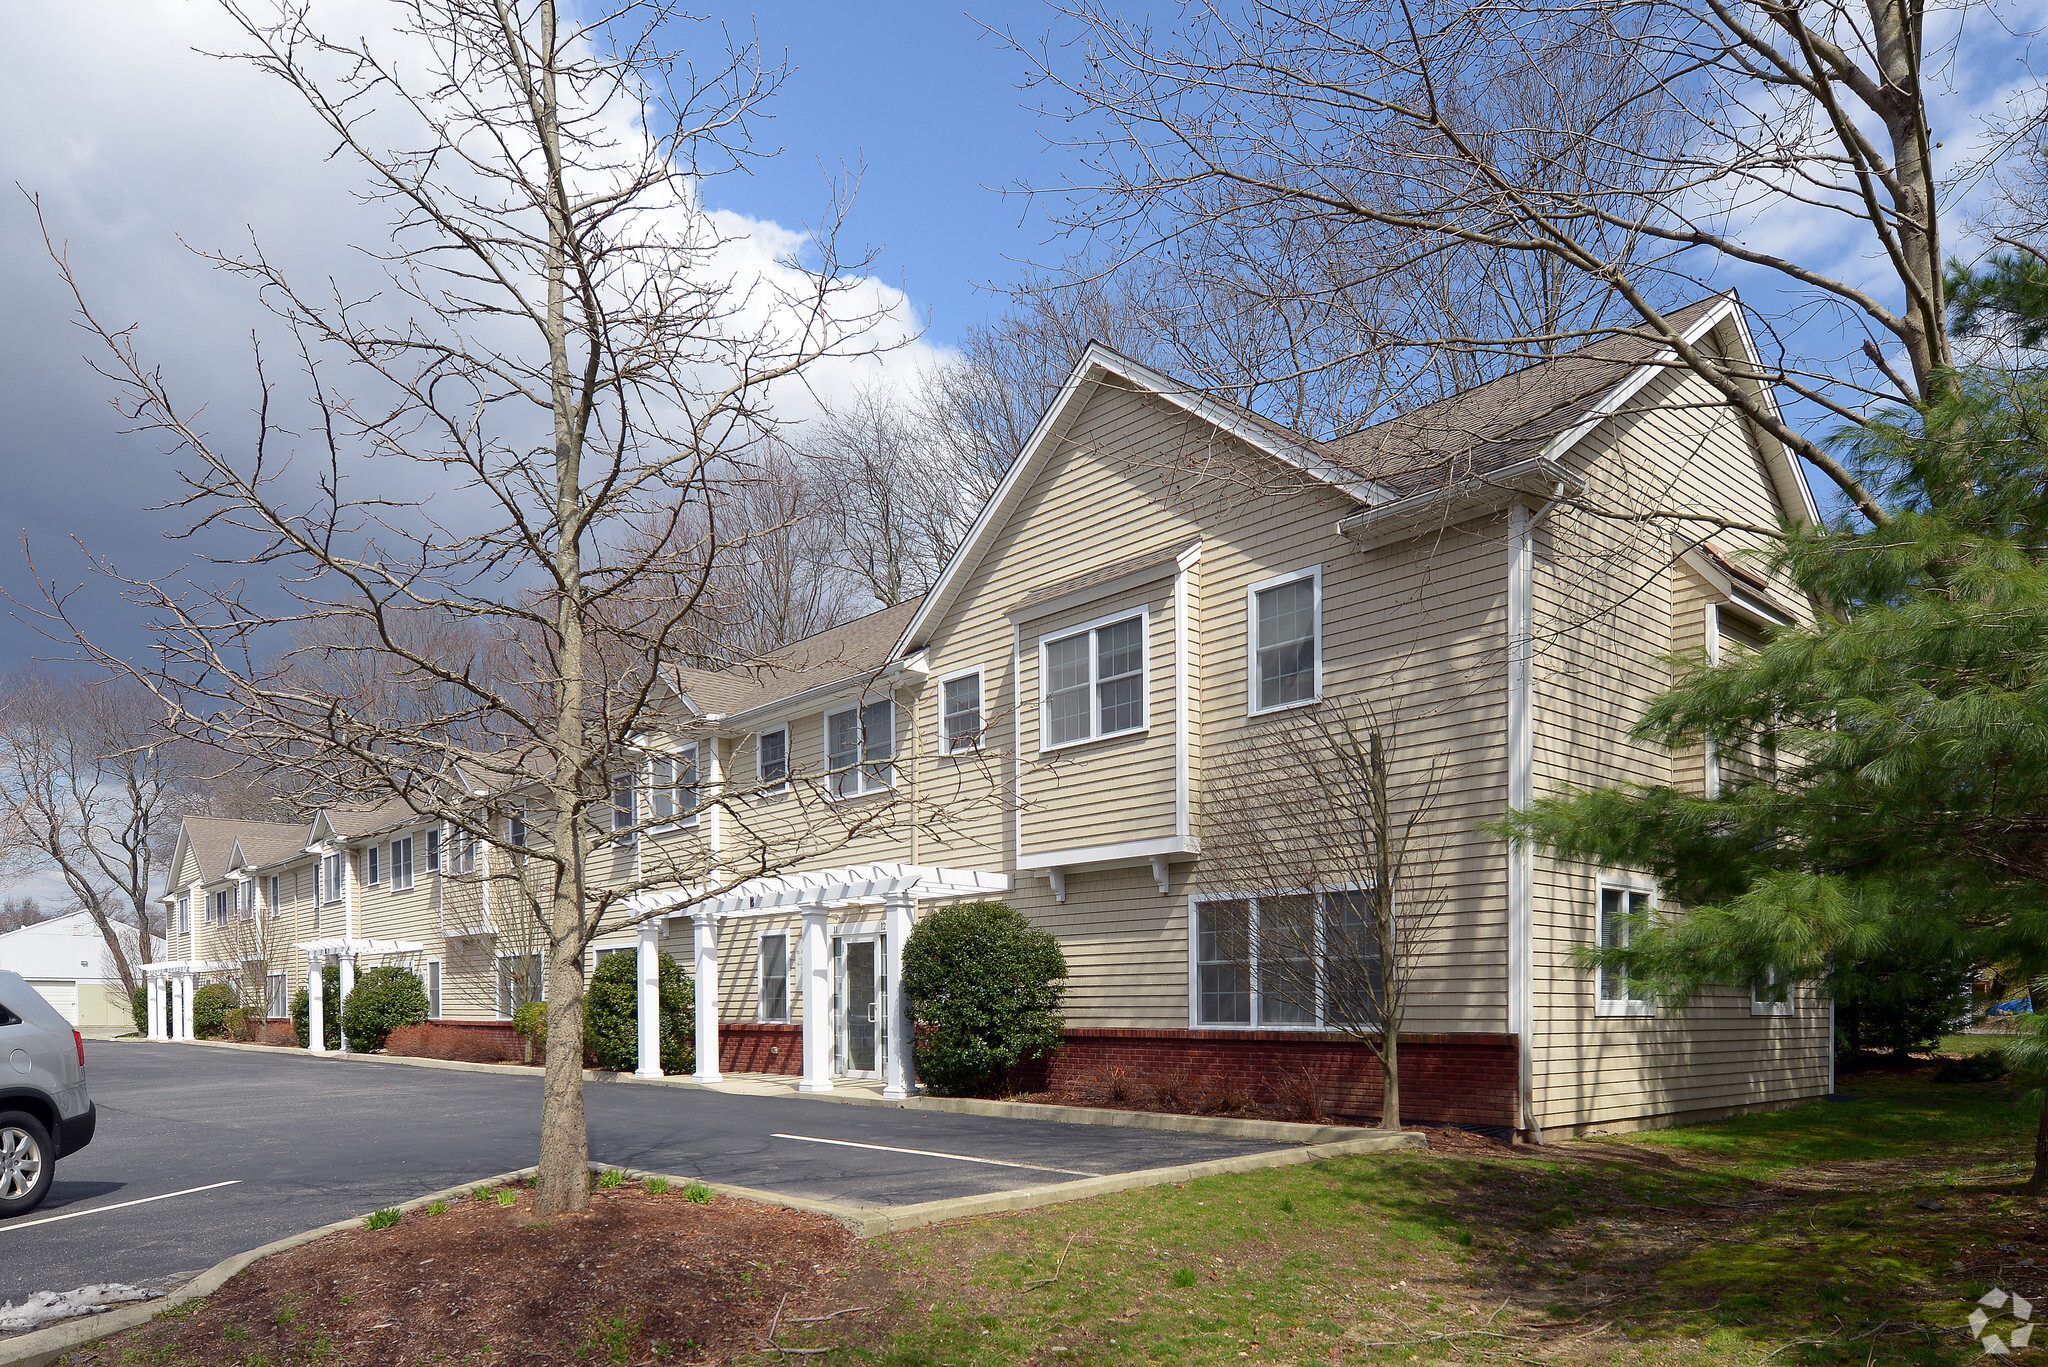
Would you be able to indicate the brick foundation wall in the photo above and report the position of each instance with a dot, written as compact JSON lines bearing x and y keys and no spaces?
{"x":750,"y":1048}
{"x":1457,"y":1079}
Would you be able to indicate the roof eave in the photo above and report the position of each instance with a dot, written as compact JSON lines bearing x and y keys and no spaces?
{"x":1460,"y":501}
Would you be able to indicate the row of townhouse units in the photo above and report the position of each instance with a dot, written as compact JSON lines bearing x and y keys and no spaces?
{"x":1164,"y":591}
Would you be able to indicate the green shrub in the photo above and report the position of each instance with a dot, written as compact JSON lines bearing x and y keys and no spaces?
{"x":383,"y":999}
{"x":302,"y":1009}
{"x":698,"y":1194}
{"x":530,"y":1019}
{"x":210,"y":1007}
{"x":1974,"y":1068}
{"x":611,"y":1178}
{"x":657,"y":1186}
{"x":985,"y":988}
{"x":382,"y":1219}
{"x":611,"y":1013}
{"x":138,"y":1005}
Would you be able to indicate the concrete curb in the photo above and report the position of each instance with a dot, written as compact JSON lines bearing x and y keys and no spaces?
{"x":45,"y":1346}
{"x":1286,"y":1132}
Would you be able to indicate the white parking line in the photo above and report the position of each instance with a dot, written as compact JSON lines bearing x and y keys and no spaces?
{"x":928,"y":1153}
{"x":118,"y":1205}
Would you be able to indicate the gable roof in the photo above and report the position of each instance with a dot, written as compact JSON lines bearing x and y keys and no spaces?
{"x":1536,"y":413}
{"x":213,"y":841}
{"x":842,"y":654}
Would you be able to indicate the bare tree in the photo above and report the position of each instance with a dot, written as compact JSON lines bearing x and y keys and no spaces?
{"x":17,"y":912}
{"x":1323,"y":862}
{"x":567,"y":355}
{"x":99,"y":788}
{"x":1595,"y":161}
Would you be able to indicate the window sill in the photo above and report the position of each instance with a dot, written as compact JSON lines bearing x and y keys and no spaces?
{"x":1145,"y":730}
{"x":1300,"y":1027}
{"x":688,"y":823}
{"x":963,"y":751}
{"x":1277,"y":708}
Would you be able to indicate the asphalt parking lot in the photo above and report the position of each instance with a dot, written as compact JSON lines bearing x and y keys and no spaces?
{"x":241,"y":1147}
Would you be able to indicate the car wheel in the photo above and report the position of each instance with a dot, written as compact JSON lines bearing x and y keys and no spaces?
{"x":28,"y":1163}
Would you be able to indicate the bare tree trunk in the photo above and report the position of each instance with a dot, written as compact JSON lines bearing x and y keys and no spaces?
{"x":2038,"y":1183}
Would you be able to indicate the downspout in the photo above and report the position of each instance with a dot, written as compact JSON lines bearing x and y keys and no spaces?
{"x":1521,"y":613}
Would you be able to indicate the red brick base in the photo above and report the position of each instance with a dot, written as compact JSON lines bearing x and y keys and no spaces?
{"x":760,"y":1048}
{"x":1460,"y":1079}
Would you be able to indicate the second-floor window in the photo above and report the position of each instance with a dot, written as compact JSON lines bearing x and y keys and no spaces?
{"x":185,"y":914}
{"x":401,"y":863}
{"x":860,"y":746}
{"x":276,"y":900}
{"x":433,"y":851}
{"x":330,"y":877}
{"x":625,"y":807}
{"x":960,"y":713}
{"x":1092,"y":682}
{"x":217,"y":914}
{"x":771,"y":759}
{"x":672,"y":785}
{"x":461,"y":852}
{"x":370,"y":863}
{"x":1286,"y":625}
{"x":245,"y":899}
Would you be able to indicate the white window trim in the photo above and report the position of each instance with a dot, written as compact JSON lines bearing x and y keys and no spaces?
{"x":622,"y":833}
{"x":1787,"y":1007}
{"x":184,"y":914}
{"x":411,"y":873}
{"x":760,"y":978}
{"x":675,"y":758}
{"x":432,"y":982}
{"x":1601,"y":1005}
{"x":271,"y":889}
{"x":1195,"y":1021}
{"x":373,"y":867}
{"x":1251,"y":640}
{"x":861,"y":764}
{"x":980,"y":740}
{"x":761,"y":778}
{"x":1143,"y":612}
{"x":330,"y":889}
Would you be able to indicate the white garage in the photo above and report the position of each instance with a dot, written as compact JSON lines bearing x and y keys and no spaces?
{"x":66,"y":960}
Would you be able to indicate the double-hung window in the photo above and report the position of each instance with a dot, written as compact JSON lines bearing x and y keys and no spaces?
{"x":1286,"y":617}
{"x":370,"y":863}
{"x":277,"y":1002}
{"x":401,"y":863}
{"x":515,"y":827}
{"x":672,"y":786}
{"x":860,"y":749}
{"x":1624,"y":913}
{"x":217,"y":913}
{"x":1770,"y":994}
{"x":519,"y":982}
{"x":245,"y":900}
{"x":1273,"y":960}
{"x":433,"y":851}
{"x":771,"y":759}
{"x":1092,"y":682}
{"x":772,"y":1001}
{"x":185,"y":914}
{"x":330,"y":877}
{"x":625,"y":808}
{"x":461,"y":852}
{"x":960,"y":723}
{"x":276,"y":902}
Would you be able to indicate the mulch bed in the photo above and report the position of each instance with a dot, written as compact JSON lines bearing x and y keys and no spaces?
{"x":637,"y":1279}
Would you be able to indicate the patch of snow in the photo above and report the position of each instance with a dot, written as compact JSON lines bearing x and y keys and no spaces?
{"x":47,"y":1307}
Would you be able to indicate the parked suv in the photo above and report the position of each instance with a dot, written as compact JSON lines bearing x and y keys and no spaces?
{"x":45,"y":1113}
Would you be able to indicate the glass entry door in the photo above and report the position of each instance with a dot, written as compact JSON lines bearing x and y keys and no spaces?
{"x":860,"y":1037}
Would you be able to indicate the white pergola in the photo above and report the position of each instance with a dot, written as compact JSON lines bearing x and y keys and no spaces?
{"x":172,"y":981}
{"x":345,"y":952}
{"x":897,"y":888}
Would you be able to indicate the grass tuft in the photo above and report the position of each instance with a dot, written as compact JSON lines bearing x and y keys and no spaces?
{"x":657,"y":1186}
{"x":382,"y":1219}
{"x":698,"y":1192}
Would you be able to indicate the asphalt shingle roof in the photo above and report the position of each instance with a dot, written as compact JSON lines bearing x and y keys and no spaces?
{"x":849,"y":651}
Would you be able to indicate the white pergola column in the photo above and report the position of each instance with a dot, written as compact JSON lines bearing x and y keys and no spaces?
{"x":316,"y":1004}
{"x":348,"y":985}
{"x":182,"y":1027}
{"x":899,"y":1073}
{"x":154,"y":984}
{"x":647,"y":1000}
{"x":707,"y":997}
{"x":817,"y":988}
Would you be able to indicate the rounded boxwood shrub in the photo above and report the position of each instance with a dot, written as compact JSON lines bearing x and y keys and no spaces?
{"x":383,"y":999}
{"x":611,"y":1010}
{"x":138,"y":1005}
{"x":530,"y":1021}
{"x":985,"y":987}
{"x":302,"y":1009}
{"x":210,"y":1007}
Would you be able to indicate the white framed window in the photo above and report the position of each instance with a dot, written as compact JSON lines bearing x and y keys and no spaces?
{"x":771,"y":997}
{"x":1284,"y":617}
{"x":217,"y":909}
{"x":672,"y":786}
{"x":370,"y":866}
{"x":1625,"y":910}
{"x":515,"y":826}
{"x":960,"y":716}
{"x":860,"y":749}
{"x":433,"y":985}
{"x":245,"y":900}
{"x":519,"y":981}
{"x":625,"y":805}
{"x":272,"y":889}
{"x":330,"y":877}
{"x":185,"y":914}
{"x":1770,"y":994}
{"x":433,"y":851}
{"x":1278,"y":960}
{"x":401,"y":863}
{"x":461,"y":852}
{"x":771,"y":760}
{"x":1092,"y":681}
{"x":277,"y":1002}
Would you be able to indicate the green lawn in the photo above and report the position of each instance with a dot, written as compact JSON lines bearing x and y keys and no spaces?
{"x":1792,"y":1237}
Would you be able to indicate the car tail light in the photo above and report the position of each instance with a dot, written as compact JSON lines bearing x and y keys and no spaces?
{"x":79,"y":1040}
